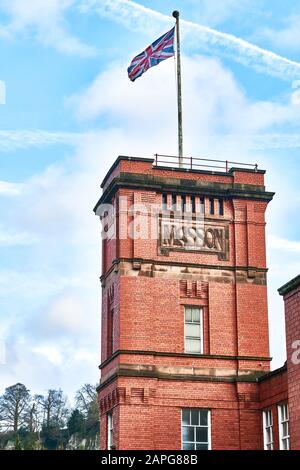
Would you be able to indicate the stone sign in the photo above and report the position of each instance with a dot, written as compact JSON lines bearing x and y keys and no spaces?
{"x":193,"y":235}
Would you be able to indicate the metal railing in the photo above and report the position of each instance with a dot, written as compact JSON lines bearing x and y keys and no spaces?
{"x":194,"y":163}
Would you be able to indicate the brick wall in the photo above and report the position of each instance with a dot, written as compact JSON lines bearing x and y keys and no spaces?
{"x":291,"y":295}
{"x":273,"y":390}
{"x":148,"y":415}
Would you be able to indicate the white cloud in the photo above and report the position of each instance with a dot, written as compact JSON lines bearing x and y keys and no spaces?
{"x":45,"y":19}
{"x":13,"y":239}
{"x":287,"y":38}
{"x":217,"y":115}
{"x":140,"y":18}
{"x":49,"y":352}
{"x":93,"y":107}
{"x":45,"y":365}
{"x":8,"y":188}
{"x":34,"y":285}
{"x":283,"y":244}
{"x":67,"y":314}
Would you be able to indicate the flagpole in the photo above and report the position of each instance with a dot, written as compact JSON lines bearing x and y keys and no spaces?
{"x":179,"y":95}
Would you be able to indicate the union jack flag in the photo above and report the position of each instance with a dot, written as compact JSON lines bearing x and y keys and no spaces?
{"x":159,"y":50}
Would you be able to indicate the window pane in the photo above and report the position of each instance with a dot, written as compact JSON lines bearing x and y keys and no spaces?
{"x":201,"y":446}
{"x":203,"y":417}
{"x":270,"y":418}
{"x":188,"y":314}
{"x":192,"y":330}
{"x":285,"y":429}
{"x":196,"y":315}
{"x":202,"y":206}
{"x":188,"y":446}
{"x":201,"y":435}
{"x":195,"y":417}
{"x":188,"y":433}
{"x":283,"y":411}
{"x":109,"y":431}
{"x":287,"y":444}
{"x":193,"y":345}
{"x":186,"y":417}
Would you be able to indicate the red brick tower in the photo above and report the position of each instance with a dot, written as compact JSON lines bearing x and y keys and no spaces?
{"x":184,"y":306}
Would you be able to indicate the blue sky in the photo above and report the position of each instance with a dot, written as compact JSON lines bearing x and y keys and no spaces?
{"x":70,"y":110}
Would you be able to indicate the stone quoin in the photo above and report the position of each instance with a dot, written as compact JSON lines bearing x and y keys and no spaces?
{"x":185,"y":361}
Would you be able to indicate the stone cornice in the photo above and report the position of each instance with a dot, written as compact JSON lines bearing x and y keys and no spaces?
{"x":181,"y":185}
{"x":248,"y":377}
{"x":184,"y":355}
{"x":289,"y":286}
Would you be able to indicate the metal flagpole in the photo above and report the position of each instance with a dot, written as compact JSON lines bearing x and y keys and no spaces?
{"x":179,"y":95}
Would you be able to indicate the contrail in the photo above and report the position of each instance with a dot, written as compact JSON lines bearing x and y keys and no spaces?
{"x":12,"y":140}
{"x":17,"y":139}
{"x":140,"y":18}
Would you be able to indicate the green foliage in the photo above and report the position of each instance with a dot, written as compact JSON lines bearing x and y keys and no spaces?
{"x":53,"y":437}
{"x":76,"y":422}
{"x":18,"y":444}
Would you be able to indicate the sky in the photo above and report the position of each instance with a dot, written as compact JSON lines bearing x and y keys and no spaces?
{"x":68,"y":110}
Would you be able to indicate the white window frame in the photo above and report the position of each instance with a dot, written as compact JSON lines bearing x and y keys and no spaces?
{"x":268,"y":424}
{"x":283,"y":418}
{"x":201,"y":337}
{"x":208,"y":425}
{"x":110,"y":429}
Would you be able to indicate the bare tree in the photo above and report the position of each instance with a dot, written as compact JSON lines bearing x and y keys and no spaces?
{"x":87,"y":403}
{"x":86,"y":396}
{"x":34,"y":416}
{"x":14,"y":405}
{"x":54,"y":406}
{"x":31,"y":418}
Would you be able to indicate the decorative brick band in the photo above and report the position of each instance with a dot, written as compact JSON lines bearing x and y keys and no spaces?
{"x":223,"y":274}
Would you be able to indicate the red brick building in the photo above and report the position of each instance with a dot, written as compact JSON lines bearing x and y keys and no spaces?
{"x":291,"y":296}
{"x":185,"y":343}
